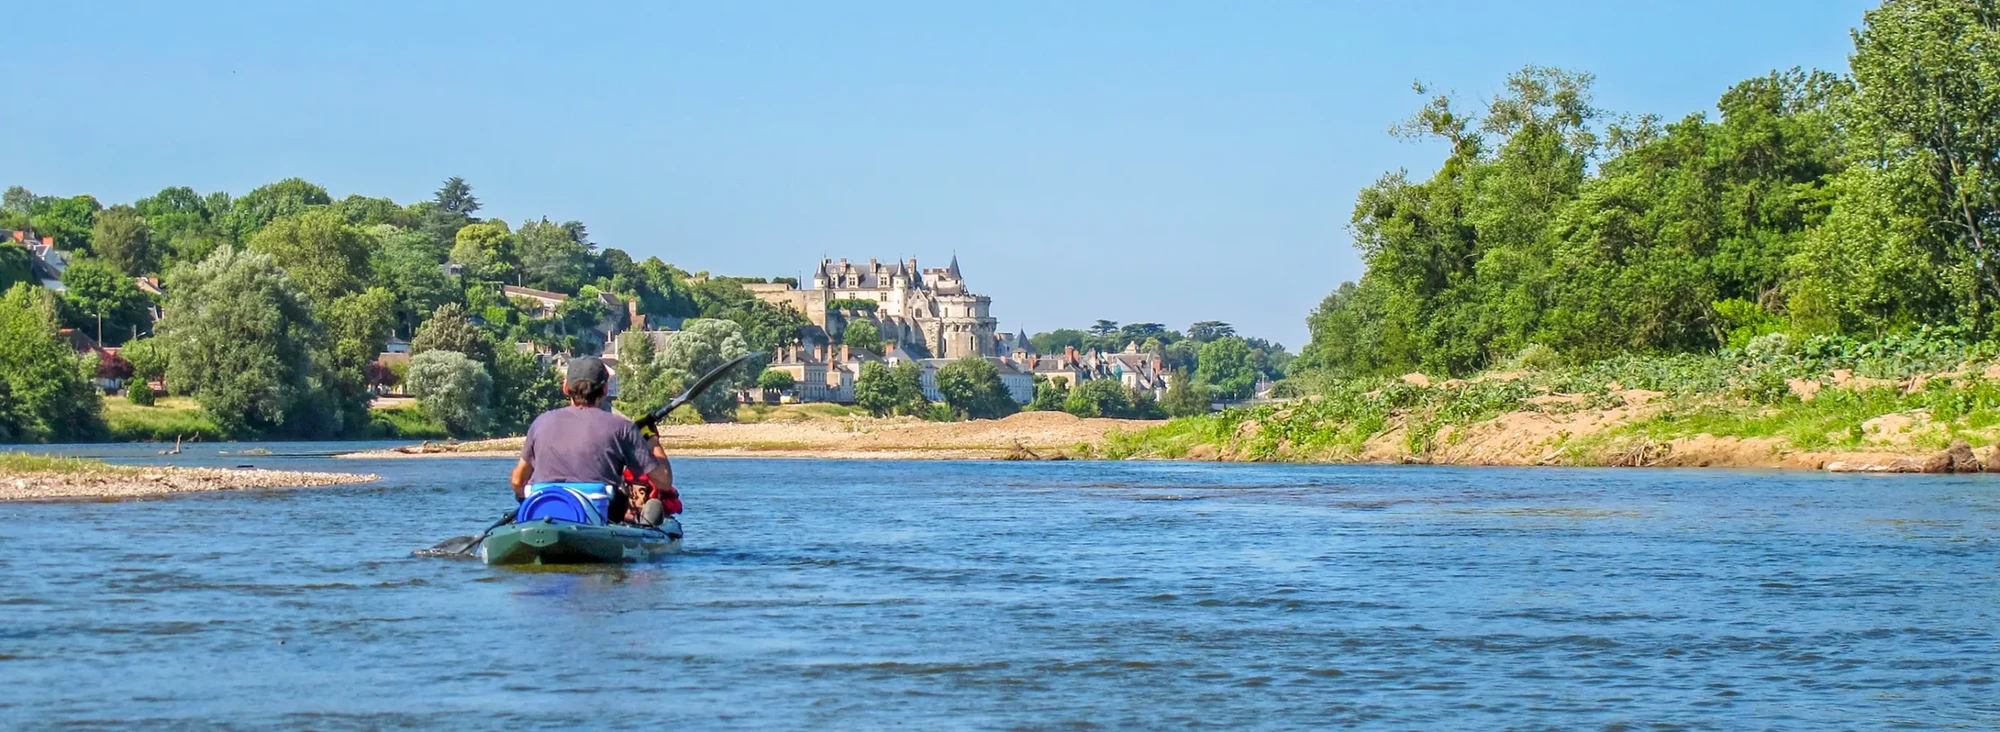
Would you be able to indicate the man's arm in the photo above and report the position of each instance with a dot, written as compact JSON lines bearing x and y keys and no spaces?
{"x":523,"y":470}
{"x":663,"y":472}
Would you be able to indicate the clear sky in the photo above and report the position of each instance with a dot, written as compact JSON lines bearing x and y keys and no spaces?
{"x":1134,"y":161}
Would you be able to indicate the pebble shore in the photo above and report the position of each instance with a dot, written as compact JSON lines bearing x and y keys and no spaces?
{"x":119,"y":482}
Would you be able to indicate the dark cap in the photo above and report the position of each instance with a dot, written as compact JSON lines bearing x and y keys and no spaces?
{"x":586,"y":368}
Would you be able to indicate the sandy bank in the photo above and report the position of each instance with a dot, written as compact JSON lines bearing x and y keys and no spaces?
{"x":116,"y":482}
{"x":1029,"y":435}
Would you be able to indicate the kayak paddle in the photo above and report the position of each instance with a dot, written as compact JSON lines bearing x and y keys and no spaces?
{"x":650,"y":423}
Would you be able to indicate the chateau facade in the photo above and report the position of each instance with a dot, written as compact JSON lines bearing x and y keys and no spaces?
{"x":929,"y":311}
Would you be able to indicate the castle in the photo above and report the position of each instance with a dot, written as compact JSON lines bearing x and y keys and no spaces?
{"x":927,"y":311}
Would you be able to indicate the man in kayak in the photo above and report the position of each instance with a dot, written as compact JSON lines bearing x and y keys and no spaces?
{"x":585,"y":443}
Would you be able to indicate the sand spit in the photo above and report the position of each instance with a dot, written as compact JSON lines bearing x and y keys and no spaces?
{"x":115,"y":482}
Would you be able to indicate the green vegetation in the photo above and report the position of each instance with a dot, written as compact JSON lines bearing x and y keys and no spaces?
{"x":1813,"y":204}
{"x":14,"y":463}
{"x":278,"y":302}
{"x":163,"y":421}
{"x":853,"y":305}
{"x":884,"y":390}
{"x":971,"y":386}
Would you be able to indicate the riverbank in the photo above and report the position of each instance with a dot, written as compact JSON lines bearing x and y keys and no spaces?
{"x":1025,"y":436}
{"x":1932,"y":423}
{"x":25,"y":477}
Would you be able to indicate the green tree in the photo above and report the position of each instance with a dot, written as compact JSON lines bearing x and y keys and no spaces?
{"x":1100,"y":398}
{"x":288,"y":197}
{"x":640,"y":390}
{"x":1227,"y":366}
{"x":861,"y":335}
{"x":67,"y":220}
{"x":698,"y":348}
{"x":45,"y":389}
{"x":772,"y":381}
{"x":15,"y":265}
{"x":95,"y":289}
{"x":1186,"y":396}
{"x":971,"y":386}
{"x":523,"y":388}
{"x":408,"y":264}
{"x":451,"y":389}
{"x":240,"y":340}
{"x":487,"y":251}
{"x":448,"y":329}
{"x":363,"y":212}
{"x":1049,"y":394}
{"x":449,"y":210}
{"x":1053,"y":342}
{"x":148,"y":357}
{"x":884,"y":390}
{"x":120,"y":236}
{"x":1208,"y":330}
{"x":324,"y":257}
{"x":551,"y":257}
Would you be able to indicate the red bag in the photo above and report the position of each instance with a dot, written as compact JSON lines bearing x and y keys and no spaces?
{"x":646,"y":490}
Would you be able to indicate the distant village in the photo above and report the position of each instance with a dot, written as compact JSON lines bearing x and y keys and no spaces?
{"x":923,"y":316}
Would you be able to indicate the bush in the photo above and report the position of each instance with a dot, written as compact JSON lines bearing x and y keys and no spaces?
{"x":139,"y":393}
{"x":451,"y":389}
{"x":972,"y":387}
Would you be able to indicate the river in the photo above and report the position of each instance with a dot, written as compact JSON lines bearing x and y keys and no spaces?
{"x":1025,"y":595}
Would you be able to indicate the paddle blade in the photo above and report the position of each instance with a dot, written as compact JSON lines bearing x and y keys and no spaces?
{"x":457,"y":546}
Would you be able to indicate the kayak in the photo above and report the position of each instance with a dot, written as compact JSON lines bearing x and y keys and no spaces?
{"x":561,"y":542}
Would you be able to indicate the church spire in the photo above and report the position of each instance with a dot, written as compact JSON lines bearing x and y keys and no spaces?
{"x":953,"y":269}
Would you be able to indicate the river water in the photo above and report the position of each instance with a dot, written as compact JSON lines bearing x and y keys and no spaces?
{"x":1025,"y":596}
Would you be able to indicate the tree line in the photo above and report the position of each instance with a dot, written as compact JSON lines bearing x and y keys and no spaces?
{"x":276,"y":304}
{"x":1813,"y":203}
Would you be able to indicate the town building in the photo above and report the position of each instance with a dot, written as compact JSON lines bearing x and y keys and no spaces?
{"x":927,"y":311}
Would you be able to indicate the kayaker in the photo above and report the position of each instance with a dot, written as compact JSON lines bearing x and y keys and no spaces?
{"x":582,"y":443}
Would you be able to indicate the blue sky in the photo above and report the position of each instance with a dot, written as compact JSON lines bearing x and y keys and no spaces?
{"x":1135,"y":161}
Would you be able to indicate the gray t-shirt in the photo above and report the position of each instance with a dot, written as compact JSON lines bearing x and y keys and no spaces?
{"x":585,"y":445}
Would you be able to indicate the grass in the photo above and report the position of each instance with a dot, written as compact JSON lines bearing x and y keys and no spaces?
{"x":172,"y":417}
{"x":168,"y":418}
{"x":405,"y":420}
{"x":12,"y":463}
{"x":754,"y":413}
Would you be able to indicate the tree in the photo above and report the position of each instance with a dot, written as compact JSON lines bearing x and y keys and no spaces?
{"x":639,"y":388}
{"x":449,"y":330}
{"x":1226,"y":364}
{"x":1104,"y":328}
{"x":288,"y":197}
{"x":15,"y":265}
{"x":1049,"y":394}
{"x":487,"y":251}
{"x":523,"y":388}
{"x":1186,"y":396}
{"x":698,"y":348}
{"x":1053,"y":342}
{"x":1924,"y":72}
{"x":773,"y":382}
{"x":18,"y":200}
{"x":972,"y":387}
{"x":552,"y":258}
{"x":45,"y":391}
{"x":362,"y":212}
{"x":408,"y":264}
{"x":148,"y":357}
{"x":240,"y":339}
{"x":884,"y":390}
{"x":449,"y":210}
{"x":451,"y":389}
{"x":324,"y":257}
{"x":1099,"y":398}
{"x":120,"y":236}
{"x":94,"y":289}
{"x":861,"y":335}
{"x":67,"y":220}
{"x":1208,"y":330}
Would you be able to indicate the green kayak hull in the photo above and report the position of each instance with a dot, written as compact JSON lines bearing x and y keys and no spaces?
{"x":558,"y":542}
